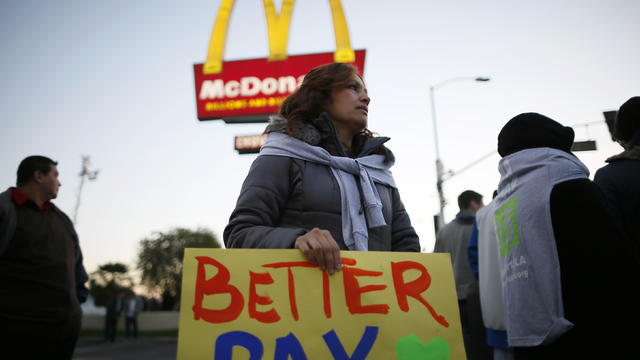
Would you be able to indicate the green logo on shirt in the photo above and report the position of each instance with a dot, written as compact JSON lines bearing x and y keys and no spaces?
{"x":507,"y":227}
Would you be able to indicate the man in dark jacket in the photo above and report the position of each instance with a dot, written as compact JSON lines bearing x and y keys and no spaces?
{"x":620,"y":179}
{"x":41,"y":269}
{"x":453,"y":238}
{"x":566,"y":268}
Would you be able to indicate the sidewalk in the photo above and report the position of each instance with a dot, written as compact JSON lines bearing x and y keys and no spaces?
{"x":156,"y":348}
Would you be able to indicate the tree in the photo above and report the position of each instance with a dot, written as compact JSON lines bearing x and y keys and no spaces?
{"x":161,"y":255}
{"x":107,"y":280}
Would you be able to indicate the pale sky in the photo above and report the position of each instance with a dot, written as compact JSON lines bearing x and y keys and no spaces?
{"x":114,"y":80}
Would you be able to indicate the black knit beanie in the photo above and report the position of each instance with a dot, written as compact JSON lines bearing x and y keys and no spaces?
{"x":627,"y":119}
{"x":532,"y":130}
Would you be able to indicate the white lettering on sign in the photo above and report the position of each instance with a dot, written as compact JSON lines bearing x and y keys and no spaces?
{"x":269,"y":86}
{"x":212,"y":89}
{"x":248,"y":86}
{"x":286,"y":84}
{"x":232,"y":88}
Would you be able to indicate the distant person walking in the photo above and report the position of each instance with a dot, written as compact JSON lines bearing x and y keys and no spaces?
{"x":115,"y":307}
{"x":41,"y":272}
{"x":453,"y":238}
{"x":133,"y":306}
{"x":620,"y":179}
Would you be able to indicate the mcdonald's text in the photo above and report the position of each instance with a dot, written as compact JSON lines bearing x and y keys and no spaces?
{"x":248,"y":86}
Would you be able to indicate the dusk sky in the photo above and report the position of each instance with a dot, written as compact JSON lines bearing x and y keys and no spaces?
{"x":114,"y":80}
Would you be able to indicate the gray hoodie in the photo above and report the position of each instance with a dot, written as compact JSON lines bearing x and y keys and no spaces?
{"x":454,"y":239}
{"x":528,"y":255}
{"x":489,"y":269}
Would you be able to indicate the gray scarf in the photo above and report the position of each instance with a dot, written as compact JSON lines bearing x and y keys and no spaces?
{"x":368,"y":169}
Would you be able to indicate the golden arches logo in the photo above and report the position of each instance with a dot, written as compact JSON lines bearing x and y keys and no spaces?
{"x":277,"y":31}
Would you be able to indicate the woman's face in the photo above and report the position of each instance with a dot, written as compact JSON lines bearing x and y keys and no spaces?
{"x":349,"y":106}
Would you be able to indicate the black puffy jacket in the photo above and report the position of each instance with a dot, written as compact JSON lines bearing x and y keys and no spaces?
{"x":619,"y":181}
{"x":283,"y":198}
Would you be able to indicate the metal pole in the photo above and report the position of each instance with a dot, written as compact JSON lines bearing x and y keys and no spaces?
{"x":75,"y":211}
{"x":91,"y":175}
{"x":439,"y":167}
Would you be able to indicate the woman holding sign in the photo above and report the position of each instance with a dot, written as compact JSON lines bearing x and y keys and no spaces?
{"x":322,"y":183}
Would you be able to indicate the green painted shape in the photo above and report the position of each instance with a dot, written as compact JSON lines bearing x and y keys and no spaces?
{"x":507,"y":227}
{"x":411,"y":348}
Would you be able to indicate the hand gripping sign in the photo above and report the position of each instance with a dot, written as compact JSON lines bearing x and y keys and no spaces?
{"x":250,"y":90}
{"x":273,"y":304}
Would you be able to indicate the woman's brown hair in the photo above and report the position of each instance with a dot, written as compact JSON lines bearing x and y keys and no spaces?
{"x":308,"y":101}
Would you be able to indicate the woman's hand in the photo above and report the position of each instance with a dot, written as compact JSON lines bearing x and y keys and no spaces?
{"x":319,"y":247}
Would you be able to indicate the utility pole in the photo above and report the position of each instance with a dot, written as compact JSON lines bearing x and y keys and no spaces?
{"x":440,"y":172}
{"x":85,"y":173}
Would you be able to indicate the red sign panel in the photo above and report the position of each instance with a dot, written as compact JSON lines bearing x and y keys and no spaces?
{"x":251,"y":90}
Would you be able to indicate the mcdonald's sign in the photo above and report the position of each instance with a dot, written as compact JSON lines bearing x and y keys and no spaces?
{"x":250,"y":90}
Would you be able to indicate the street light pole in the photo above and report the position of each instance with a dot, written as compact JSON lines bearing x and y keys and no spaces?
{"x":91,"y":175}
{"x":439,"y":166}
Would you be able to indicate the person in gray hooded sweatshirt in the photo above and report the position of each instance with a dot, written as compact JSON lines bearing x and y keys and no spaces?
{"x":453,"y":238}
{"x":483,"y":258}
{"x":565,"y":265}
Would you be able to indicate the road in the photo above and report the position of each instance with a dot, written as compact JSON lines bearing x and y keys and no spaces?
{"x":156,"y":348}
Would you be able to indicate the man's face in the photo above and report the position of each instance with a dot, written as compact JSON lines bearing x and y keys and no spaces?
{"x":475,"y":206}
{"x":49,"y":183}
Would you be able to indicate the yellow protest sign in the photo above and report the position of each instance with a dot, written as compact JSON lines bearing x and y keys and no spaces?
{"x":273,"y":304}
